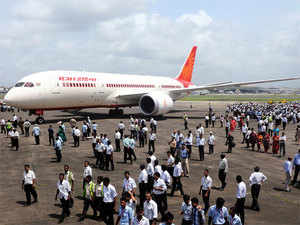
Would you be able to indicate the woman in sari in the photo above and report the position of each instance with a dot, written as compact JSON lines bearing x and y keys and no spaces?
{"x":61,"y":133}
{"x":275,"y":144}
{"x":266,"y":142}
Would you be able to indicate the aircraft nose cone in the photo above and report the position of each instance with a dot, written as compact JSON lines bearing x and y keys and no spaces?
{"x":9,"y":98}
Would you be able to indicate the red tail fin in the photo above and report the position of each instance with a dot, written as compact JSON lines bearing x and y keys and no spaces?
{"x":185,"y":75}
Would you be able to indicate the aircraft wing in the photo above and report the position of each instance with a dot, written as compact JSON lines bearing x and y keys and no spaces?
{"x":228,"y":84}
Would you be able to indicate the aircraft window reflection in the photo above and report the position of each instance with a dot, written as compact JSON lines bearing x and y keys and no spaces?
{"x":20,"y":84}
{"x":28,"y":84}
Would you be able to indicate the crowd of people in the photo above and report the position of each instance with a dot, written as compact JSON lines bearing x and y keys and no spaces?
{"x":157,"y":182}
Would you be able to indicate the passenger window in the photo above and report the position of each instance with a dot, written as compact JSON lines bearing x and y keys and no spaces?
{"x":28,"y":84}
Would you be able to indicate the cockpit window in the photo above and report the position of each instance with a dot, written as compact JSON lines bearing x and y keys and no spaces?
{"x":19,"y":84}
{"x":28,"y":84}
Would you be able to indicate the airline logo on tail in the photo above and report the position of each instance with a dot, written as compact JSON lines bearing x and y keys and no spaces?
{"x":185,"y":75}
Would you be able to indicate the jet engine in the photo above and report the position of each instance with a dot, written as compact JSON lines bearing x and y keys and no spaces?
{"x":153,"y":104}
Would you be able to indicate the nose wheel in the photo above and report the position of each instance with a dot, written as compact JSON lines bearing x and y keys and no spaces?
{"x":40,"y":120}
{"x":114,"y":112}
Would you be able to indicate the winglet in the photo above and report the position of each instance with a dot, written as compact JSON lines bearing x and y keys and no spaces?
{"x":185,"y":75}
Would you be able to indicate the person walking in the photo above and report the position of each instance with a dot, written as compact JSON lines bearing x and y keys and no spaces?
{"x":230,"y":143}
{"x":198,"y":215}
{"x":152,"y":139}
{"x":177,"y":174}
{"x":140,"y":219}
{"x":150,"y":209}
{"x":58,"y":149}
{"x":118,"y":140}
{"x":143,"y":183}
{"x":296,"y":164}
{"x":159,"y":194}
{"x":186,"y":211}
{"x":205,"y":188}
{"x":125,"y":215}
{"x":29,"y":185}
{"x":51,"y":135}
{"x":89,"y":196}
{"x":223,"y":170}
{"x":256,"y":179}
{"x":233,"y":218}
{"x":63,"y":192}
{"x":109,"y":156}
{"x":36,"y":132}
{"x":184,"y":156}
{"x":240,"y":198}
{"x":288,"y":168}
{"x":211,"y":142}
{"x":109,"y":201}
{"x":282,"y":143}
{"x":200,"y":142}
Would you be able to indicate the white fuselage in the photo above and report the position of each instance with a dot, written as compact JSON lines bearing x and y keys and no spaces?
{"x":53,"y":90}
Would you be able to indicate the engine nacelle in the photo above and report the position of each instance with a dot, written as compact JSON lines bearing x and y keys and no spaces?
{"x":155,"y":104}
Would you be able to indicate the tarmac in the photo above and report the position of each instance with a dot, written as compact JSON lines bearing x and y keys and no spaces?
{"x":277,"y":207}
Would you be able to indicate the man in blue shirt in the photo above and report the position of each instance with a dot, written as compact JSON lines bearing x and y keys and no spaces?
{"x":296,"y":163}
{"x":218,"y":214}
{"x":36,"y":133}
{"x":125,"y":213}
{"x":184,"y":156}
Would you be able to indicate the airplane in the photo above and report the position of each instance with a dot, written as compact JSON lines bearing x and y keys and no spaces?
{"x":66,"y":90}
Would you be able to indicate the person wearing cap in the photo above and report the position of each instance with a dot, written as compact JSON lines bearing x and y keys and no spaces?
{"x":256,"y":179}
{"x":218,"y":214}
{"x":240,"y":198}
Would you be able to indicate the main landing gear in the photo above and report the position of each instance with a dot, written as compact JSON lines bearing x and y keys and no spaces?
{"x":114,"y":112}
{"x":40,"y":119}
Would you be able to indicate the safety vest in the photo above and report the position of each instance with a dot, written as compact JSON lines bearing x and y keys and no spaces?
{"x":91,"y":189}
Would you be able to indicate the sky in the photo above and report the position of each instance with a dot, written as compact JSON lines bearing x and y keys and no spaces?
{"x":237,"y":40}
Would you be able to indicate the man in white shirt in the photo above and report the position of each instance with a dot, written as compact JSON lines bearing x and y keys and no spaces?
{"x":256,"y":179}
{"x":159,"y":194}
{"x":211,"y":142}
{"x":118,"y":140}
{"x":77,"y":134}
{"x":288,"y":168}
{"x":241,"y":198}
{"x":28,"y":184}
{"x":87,"y":171}
{"x":150,"y":172}
{"x":152,"y":139}
{"x":177,"y":174}
{"x":166,"y":175}
{"x":150,"y":209}
{"x":143,"y":182}
{"x":140,"y":219}
{"x":109,"y":201}
{"x":170,"y":162}
{"x":15,"y":138}
{"x":64,"y":194}
{"x":186,"y":210}
{"x":205,"y":188}
{"x":223,"y":170}
{"x":109,"y":159}
{"x":129,"y":184}
{"x":121,"y":128}
{"x":282,"y":142}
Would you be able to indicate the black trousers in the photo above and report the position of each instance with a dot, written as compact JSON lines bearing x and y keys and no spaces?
{"x":141,"y":141}
{"x":65,"y":208}
{"x":126,"y":154}
{"x":76,"y":141}
{"x":255,"y":189}
{"x":162,"y":204}
{"x":150,"y":183}
{"x":185,"y":125}
{"x":29,"y":190}
{"x":151,"y":146}
{"x":98,"y":204}
{"x":108,"y":213}
{"x":15,"y":143}
{"x":51,"y":140}
{"x":118,"y":146}
{"x":240,"y":209}
{"x":189,"y":148}
{"x":206,"y":200}
{"x":143,"y":188}
{"x":58,"y":155}
{"x":177,"y":184}
{"x":109,"y":160}
{"x":201,"y":152}
{"x":211,"y":149}
{"x":297,"y":170}
{"x":206,"y":123}
{"x":86,"y":204}
{"x":2,"y":129}
{"x":187,"y":222}
{"x":37,"y":139}
{"x":226,"y":131}
{"x":132,"y":154}
{"x":222,"y":177}
{"x":282,"y":149}
{"x":100,"y":159}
